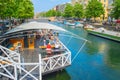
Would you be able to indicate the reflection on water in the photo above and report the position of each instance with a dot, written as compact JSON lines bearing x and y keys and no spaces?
{"x":99,"y":60}
{"x":109,"y":49}
{"x":60,"y":75}
{"x":113,"y":55}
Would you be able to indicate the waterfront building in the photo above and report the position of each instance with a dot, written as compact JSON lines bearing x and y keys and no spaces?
{"x":105,"y":5}
{"x":83,"y":2}
{"x":110,"y":6}
{"x":61,"y":7}
{"x":104,"y":2}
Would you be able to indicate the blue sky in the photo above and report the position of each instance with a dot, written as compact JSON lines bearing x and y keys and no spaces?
{"x":44,"y":5}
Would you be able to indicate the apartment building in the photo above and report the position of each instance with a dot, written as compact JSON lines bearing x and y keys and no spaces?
{"x":105,"y":5}
{"x":85,"y":2}
{"x":61,"y":7}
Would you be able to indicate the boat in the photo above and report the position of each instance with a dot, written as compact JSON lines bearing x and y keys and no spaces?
{"x":104,"y":33}
{"x":31,"y":50}
{"x":88,"y":27}
{"x":70,"y":24}
{"x":78,"y":24}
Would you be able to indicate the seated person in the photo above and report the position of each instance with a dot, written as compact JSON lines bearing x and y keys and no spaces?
{"x":57,"y":45}
{"x":49,"y":49}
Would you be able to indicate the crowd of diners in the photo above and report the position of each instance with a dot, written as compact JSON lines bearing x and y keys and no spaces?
{"x":48,"y":40}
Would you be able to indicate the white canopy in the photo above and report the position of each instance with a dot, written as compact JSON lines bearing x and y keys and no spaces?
{"x":35,"y":25}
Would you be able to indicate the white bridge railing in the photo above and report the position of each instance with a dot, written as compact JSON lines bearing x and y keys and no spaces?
{"x":56,"y":62}
{"x":11,"y":66}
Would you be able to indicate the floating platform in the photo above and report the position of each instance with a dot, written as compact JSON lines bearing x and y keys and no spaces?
{"x":25,"y":56}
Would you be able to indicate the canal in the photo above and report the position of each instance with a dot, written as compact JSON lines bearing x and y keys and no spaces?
{"x":98,"y":60}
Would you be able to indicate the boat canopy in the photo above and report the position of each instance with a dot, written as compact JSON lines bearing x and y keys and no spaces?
{"x":34,"y":26}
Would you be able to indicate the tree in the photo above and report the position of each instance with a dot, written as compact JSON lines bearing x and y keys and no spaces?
{"x":50,"y":13}
{"x":16,"y":8}
{"x":78,"y":10}
{"x":42,"y":14}
{"x":94,"y":9}
{"x":68,"y":12}
{"x":6,"y":10}
{"x":116,"y":9}
{"x":58,"y":13}
{"x":25,"y":9}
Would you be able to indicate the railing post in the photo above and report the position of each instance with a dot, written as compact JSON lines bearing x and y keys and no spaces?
{"x":40,"y":65}
{"x":50,"y":63}
{"x":62,"y":60}
{"x":19,"y":61}
{"x":15,"y":71}
{"x":70,"y":57}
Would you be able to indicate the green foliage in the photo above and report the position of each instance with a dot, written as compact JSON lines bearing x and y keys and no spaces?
{"x":16,"y":9}
{"x":6,"y":8}
{"x":42,"y":14}
{"x":68,"y":12}
{"x":116,"y":10}
{"x":25,"y":9}
{"x":78,"y":10}
{"x":94,"y":9}
{"x":58,"y":13}
{"x":50,"y":13}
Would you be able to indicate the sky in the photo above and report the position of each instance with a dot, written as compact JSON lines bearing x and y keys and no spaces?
{"x":44,"y":5}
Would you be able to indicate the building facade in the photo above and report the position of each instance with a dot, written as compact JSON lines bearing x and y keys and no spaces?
{"x":61,"y":7}
{"x":85,"y":2}
{"x":105,"y":5}
{"x":110,"y":6}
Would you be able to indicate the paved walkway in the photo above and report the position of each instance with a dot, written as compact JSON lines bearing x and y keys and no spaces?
{"x":108,"y":27}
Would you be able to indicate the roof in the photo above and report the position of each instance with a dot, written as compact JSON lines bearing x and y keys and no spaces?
{"x":35,"y":26}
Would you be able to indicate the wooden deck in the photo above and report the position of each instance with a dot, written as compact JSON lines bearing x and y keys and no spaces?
{"x":30,"y":55}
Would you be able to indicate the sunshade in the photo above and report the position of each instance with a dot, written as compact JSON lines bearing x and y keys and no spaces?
{"x":35,"y":26}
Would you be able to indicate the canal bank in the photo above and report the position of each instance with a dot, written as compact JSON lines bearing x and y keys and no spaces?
{"x":109,"y":35}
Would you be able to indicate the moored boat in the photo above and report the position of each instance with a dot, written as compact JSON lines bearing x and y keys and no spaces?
{"x":89,"y":27}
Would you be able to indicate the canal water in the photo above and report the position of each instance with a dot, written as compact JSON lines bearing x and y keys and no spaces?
{"x":98,"y":60}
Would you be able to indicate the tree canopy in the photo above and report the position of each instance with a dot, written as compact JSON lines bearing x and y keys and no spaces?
{"x":116,"y":9}
{"x":16,"y":9}
{"x":78,"y":10}
{"x":94,"y":9}
{"x":25,"y":9}
{"x":68,"y":12}
{"x":58,"y":13}
{"x":6,"y":8}
{"x":50,"y":13}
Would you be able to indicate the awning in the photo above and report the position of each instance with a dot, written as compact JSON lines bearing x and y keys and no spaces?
{"x":34,"y":26}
